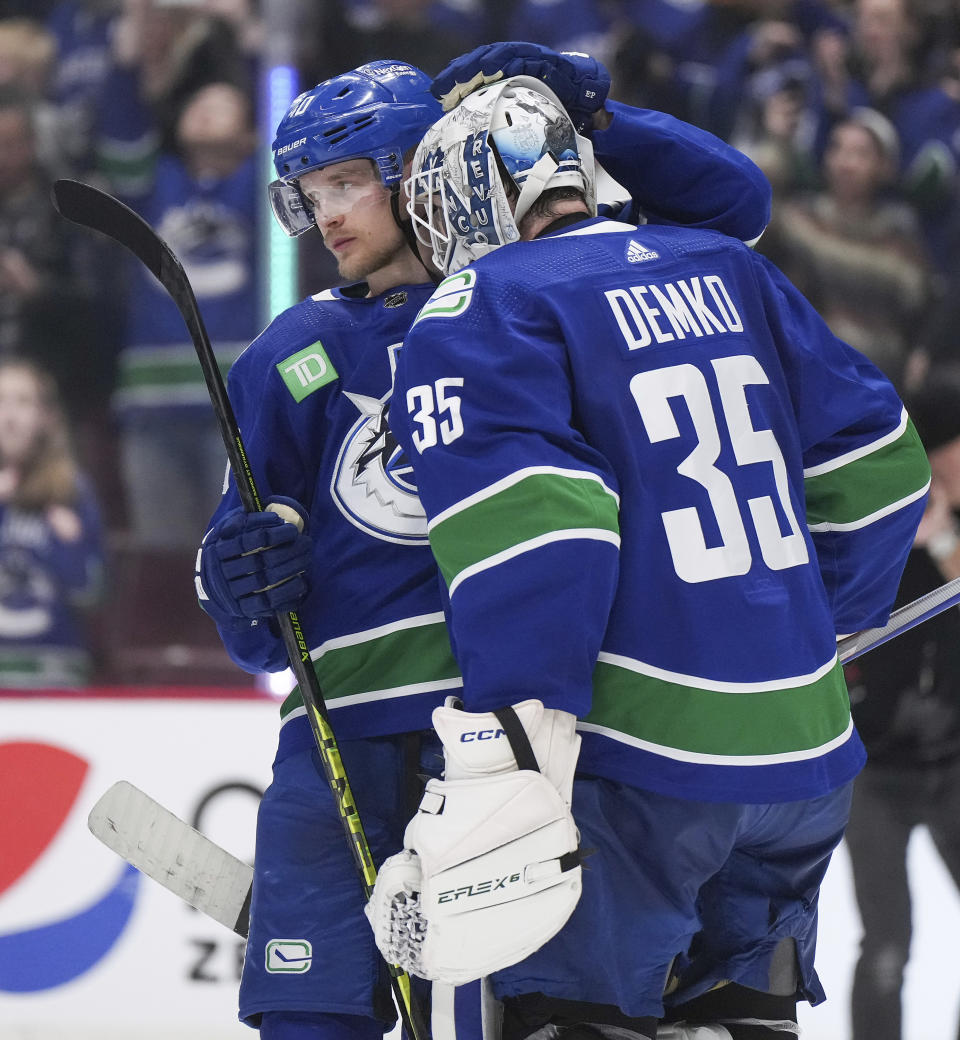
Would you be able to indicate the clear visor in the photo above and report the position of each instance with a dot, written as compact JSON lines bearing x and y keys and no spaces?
{"x":299,"y":207}
{"x":289,"y":209}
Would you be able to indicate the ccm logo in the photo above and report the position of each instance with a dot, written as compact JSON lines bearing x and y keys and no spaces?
{"x":480,"y":734}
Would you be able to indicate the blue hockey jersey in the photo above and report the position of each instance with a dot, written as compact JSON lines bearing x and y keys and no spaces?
{"x":677,"y":173}
{"x":658,"y":487}
{"x":47,"y":581}
{"x":310,"y":395}
{"x":210,"y":225}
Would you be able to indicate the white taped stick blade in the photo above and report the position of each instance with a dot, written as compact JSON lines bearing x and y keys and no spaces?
{"x":173,"y":853}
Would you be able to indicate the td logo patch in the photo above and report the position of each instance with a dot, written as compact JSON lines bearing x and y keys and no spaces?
{"x":290,"y":956}
{"x":306,"y":371}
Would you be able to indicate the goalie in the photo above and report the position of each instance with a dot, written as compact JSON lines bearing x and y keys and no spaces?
{"x":657,"y":488}
{"x":311,"y":395}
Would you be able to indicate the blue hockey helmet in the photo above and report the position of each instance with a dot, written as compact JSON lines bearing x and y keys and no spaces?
{"x":377,"y":111}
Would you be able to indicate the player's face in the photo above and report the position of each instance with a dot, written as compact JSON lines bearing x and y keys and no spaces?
{"x":352,"y":210}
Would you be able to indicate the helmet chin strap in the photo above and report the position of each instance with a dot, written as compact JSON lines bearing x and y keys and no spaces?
{"x":406,"y":227}
{"x":534,"y":184}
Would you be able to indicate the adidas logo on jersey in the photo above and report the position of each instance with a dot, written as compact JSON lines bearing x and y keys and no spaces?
{"x":637,"y":253}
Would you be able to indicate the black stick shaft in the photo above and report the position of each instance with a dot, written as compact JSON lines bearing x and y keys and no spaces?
{"x":89,"y":206}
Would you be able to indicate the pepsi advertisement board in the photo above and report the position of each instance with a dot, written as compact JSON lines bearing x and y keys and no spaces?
{"x":89,"y":947}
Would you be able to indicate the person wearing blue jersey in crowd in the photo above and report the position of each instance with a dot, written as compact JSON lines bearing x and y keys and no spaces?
{"x":203,"y":201}
{"x":657,"y":488}
{"x":310,"y":395}
{"x":51,"y":539}
{"x":176,"y":141}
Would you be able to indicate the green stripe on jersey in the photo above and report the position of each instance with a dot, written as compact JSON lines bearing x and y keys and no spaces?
{"x":167,"y":375}
{"x":868,"y":484}
{"x":536,"y":505}
{"x":388,"y":662}
{"x":129,"y":166}
{"x":717,"y":724}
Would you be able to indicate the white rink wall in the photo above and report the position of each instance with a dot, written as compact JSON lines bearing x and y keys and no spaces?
{"x":931,"y":995}
{"x":170,"y":973}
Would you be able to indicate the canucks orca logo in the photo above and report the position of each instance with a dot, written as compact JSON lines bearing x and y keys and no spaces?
{"x":373,"y":481}
{"x":212,"y":242}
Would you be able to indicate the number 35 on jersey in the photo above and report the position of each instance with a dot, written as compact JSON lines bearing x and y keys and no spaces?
{"x":436,"y":412}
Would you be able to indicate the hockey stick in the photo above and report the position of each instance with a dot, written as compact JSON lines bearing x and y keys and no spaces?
{"x":209,"y":878}
{"x":906,"y":617}
{"x":95,"y":209}
{"x":173,"y":853}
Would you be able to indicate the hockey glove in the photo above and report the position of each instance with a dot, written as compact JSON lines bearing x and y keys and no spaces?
{"x":254,"y":565}
{"x":491,"y":863}
{"x":579,"y":81}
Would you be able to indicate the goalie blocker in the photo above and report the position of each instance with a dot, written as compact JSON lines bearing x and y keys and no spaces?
{"x":491,"y":865}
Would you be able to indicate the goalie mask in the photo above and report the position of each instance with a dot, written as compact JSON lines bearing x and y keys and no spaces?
{"x":377,"y":111}
{"x":510,"y":141}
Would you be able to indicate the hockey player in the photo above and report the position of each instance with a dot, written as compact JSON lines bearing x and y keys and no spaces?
{"x":657,"y":488}
{"x":310,"y":395}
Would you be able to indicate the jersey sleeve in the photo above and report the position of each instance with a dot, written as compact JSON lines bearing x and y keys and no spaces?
{"x":523,"y":514}
{"x":678,"y":174}
{"x":127,"y":136}
{"x":274,"y":447}
{"x":866,"y":474}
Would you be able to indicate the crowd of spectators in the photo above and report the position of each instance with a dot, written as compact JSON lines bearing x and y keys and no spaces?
{"x":154,"y":100}
{"x":851,"y":107}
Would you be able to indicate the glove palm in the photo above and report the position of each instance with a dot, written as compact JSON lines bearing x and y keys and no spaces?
{"x":491,"y":866}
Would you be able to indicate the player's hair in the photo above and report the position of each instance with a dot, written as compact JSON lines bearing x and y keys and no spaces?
{"x":543,"y":205}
